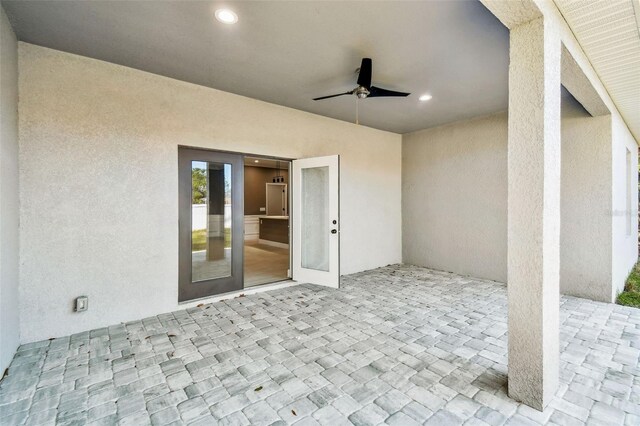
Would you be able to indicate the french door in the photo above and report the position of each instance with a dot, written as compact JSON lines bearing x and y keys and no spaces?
{"x":316,"y":221}
{"x":211,"y":224}
{"x":211,"y":227}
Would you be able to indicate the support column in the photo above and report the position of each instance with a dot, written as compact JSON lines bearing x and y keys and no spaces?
{"x":534,"y":212}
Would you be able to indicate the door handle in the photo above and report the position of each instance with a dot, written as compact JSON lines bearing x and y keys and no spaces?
{"x":334,"y":231}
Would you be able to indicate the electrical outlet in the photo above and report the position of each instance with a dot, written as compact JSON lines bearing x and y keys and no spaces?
{"x":263,"y":209}
{"x":82,"y":303}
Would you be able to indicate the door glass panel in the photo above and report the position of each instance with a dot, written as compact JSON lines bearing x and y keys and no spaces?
{"x":315,"y":218}
{"x":210,"y":220}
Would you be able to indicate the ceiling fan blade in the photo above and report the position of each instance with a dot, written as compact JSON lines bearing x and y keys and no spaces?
{"x":364,"y":78}
{"x":376,"y":92}
{"x":333,"y":96}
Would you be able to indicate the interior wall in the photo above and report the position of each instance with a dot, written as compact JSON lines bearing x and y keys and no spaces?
{"x":624,"y":244}
{"x":454,"y":197}
{"x":9,"y":199}
{"x":585,"y":218}
{"x":255,"y":192}
{"x":99,"y":183}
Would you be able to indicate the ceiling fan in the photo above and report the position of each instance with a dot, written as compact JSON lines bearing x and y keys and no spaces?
{"x":365,"y":89}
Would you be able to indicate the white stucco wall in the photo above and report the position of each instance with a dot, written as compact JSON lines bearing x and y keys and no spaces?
{"x":454,"y":200}
{"x":585,"y":231}
{"x":99,"y":141}
{"x":624,"y":245}
{"x":533,"y":236}
{"x":9,"y":208}
{"x":454,"y":197}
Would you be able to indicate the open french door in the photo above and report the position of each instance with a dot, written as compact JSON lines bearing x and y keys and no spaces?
{"x":316,"y":221}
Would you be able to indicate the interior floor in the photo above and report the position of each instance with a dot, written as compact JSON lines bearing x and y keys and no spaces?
{"x":264,"y":263}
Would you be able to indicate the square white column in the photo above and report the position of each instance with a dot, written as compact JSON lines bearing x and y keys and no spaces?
{"x":534,"y":212}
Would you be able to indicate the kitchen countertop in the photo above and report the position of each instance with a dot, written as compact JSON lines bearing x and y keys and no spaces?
{"x":275,"y":217}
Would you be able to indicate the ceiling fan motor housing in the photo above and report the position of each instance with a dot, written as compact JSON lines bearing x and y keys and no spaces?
{"x":362,"y":92}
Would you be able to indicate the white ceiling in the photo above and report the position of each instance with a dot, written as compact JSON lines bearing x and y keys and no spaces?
{"x":290,"y":52}
{"x":609,"y":33}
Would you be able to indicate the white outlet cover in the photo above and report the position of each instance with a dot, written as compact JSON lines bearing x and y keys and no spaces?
{"x":82,"y":303}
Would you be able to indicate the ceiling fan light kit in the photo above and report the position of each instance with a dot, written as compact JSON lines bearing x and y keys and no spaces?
{"x":365,"y":89}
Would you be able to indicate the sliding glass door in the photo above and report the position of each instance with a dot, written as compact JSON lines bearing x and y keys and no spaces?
{"x":211,"y":223}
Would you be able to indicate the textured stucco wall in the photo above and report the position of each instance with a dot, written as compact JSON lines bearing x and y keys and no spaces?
{"x":533,"y":213}
{"x":454,"y":197}
{"x":585,"y":239}
{"x":9,"y":208}
{"x":99,"y":186}
{"x":625,"y":246}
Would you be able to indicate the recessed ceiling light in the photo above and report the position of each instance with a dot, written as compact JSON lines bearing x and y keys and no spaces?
{"x":226,"y":16}
{"x":425,"y":97}
{"x":256,"y":161}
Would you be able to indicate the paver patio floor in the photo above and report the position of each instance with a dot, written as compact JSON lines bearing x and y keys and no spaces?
{"x":399,"y":345}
